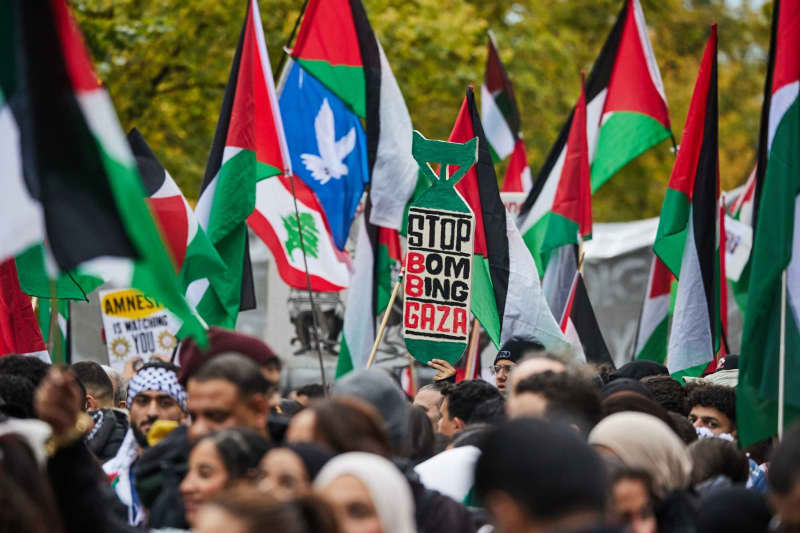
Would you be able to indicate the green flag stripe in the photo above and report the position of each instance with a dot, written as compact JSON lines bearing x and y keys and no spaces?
{"x":345,"y":81}
{"x":671,"y":237}
{"x":655,"y":349}
{"x":483,"y":304}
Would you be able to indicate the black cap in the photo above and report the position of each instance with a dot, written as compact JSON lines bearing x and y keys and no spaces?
{"x":514,"y":349}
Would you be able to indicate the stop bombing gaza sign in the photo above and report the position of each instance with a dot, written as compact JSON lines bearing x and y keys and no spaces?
{"x":441,"y":230}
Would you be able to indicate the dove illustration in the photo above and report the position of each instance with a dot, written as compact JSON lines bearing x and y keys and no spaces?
{"x":330,"y":161}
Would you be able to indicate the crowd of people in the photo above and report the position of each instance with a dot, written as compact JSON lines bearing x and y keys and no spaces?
{"x":211,"y":444}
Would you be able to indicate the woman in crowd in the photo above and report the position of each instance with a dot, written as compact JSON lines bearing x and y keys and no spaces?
{"x":221,"y":460}
{"x":368,"y":494}
{"x":288,"y":471}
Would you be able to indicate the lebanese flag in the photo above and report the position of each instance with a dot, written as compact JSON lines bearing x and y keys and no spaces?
{"x":653,"y":329}
{"x":336,"y":45}
{"x":203,"y":275}
{"x":19,"y":329}
{"x":776,"y":243}
{"x":626,"y":114}
{"x":499,"y":106}
{"x":247,"y":148}
{"x":78,"y":188}
{"x":275,"y":222}
{"x":507,"y":298}
{"x":689,"y":233}
{"x":580,"y":327}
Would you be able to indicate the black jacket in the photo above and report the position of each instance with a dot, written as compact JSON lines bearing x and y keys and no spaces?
{"x":110,"y":427}
{"x":158,"y":473}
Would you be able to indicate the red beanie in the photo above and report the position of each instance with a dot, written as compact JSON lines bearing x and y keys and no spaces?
{"x":191,"y":357}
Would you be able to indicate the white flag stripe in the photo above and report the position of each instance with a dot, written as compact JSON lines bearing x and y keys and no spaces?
{"x":647,"y":48}
{"x":497,"y":130}
{"x":359,"y":321}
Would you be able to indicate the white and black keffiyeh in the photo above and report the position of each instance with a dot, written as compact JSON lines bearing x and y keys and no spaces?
{"x":157,"y":379}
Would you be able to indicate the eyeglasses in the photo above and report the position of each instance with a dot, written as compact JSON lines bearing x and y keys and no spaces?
{"x":496,"y":369}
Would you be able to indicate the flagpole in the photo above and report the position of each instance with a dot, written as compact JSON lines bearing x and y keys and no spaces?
{"x":308,"y":285}
{"x":385,"y":319}
{"x":782,"y":357}
{"x":412,"y":374}
{"x":291,"y":38}
{"x":472,"y":350}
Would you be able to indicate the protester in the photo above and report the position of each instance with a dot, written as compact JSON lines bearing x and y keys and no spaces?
{"x":110,"y":426}
{"x":308,"y":393}
{"x":783,"y":477}
{"x":717,"y":463}
{"x":683,"y":428}
{"x":227,"y":391}
{"x":534,"y":362}
{"x":713,"y":407}
{"x":429,"y":398}
{"x":29,"y":368}
{"x":99,"y":388}
{"x":507,"y":358}
{"x":287,"y":472}
{"x":733,"y":510}
{"x":557,"y":484}
{"x":220,"y":460}
{"x":367,"y":493}
{"x":153,"y":394}
{"x":460,"y":401}
{"x":120,"y":388}
{"x":245,"y":511}
{"x":16,"y":396}
{"x":420,"y":436}
{"x":639,"y":369}
{"x":631,"y":401}
{"x":668,"y":392}
{"x":632,"y":500}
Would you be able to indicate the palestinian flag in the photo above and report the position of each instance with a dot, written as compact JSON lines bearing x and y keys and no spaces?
{"x":203,"y":276}
{"x":506,"y":295}
{"x":246,"y":149}
{"x":570,"y":218}
{"x":580,"y":327}
{"x":499,"y":106}
{"x":775,"y":242}
{"x":276,"y":223}
{"x":518,"y":174}
{"x":688,"y":238}
{"x":19,"y":330}
{"x":653,"y":329}
{"x":80,"y":177}
{"x":375,"y":268}
{"x":742,"y":210}
{"x":336,"y":45}
{"x":626,"y":114}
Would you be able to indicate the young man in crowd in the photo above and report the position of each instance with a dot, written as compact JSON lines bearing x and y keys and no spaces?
{"x":110,"y":425}
{"x":507,"y":359}
{"x":713,"y":407}
{"x":430,"y":399}
{"x":460,"y":401}
{"x":154,"y":394}
{"x":99,"y":388}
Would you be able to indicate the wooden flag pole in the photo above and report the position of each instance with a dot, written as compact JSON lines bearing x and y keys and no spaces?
{"x":782,"y":357}
{"x":472,"y":350}
{"x":386,"y":314}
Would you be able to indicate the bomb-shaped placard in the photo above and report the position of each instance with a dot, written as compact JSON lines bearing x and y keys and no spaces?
{"x":441,"y":229}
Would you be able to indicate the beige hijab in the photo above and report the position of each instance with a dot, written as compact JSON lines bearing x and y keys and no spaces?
{"x":645,"y":442}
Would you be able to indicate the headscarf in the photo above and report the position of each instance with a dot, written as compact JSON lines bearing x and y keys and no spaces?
{"x":156,"y":378}
{"x":313,"y":456}
{"x":643,"y":441}
{"x":387,"y":487}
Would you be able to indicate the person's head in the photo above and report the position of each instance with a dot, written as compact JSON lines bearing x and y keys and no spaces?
{"x":430,"y":399}
{"x":288,"y":471}
{"x":381,"y":391}
{"x":534,"y":363}
{"x":683,"y":428}
{"x":342,"y":425}
{"x":668,"y":392}
{"x":309,"y":393}
{"x":639,"y":369}
{"x":633,"y":501}
{"x":559,"y":396}
{"x":368,"y":494}
{"x":99,"y":387}
{"x":30,"y":368}
{"x":120,"y":388}
{"x":419,"y":439}
{"x":219,"y":460}
{"x":783,"y":477}
{"x":16,"y":396}
{"x":714,"y":458}
{"x":643,"y":441}
{"x":272,"y":370}
{"x":624,"y":385}
{"x":631,"y":401}
{"x":507,"y":358}
{"x":154,"y":394}
{"x":492,"y":411}
{"x":713,"y":407}
{"x":247,"y":511}
{"x":228,"y":391}
{"x":460,"y":401}
{"x":558,"y":480}
{"x":733,"y":510}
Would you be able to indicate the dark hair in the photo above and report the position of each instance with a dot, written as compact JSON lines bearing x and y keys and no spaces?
{"x":683,"y":427}
{"x":273,"y":363}
{"x":668,"y":392}
{"x":26,"y":497}
{"x":714,"y":457}
{"x":312,"y":390}
{"x":237,"y":369}
{"x":784,"y":467}
{"x":22,"y":365}
{"x":464,"y":397}
{"x":263,"y":514}
{"x":632,"y":401}
{"x":491,"y":411}
{"x":639,"y":369}
{"x":94,"y":379}
{"x":240,"y":449}
{"x":17,"y":395}
{"x":557,"y":474}
{"x":718,"y":397}
{"x":566,"y":394}
{"x":349,"y":424}
{"x":419,"y":438}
